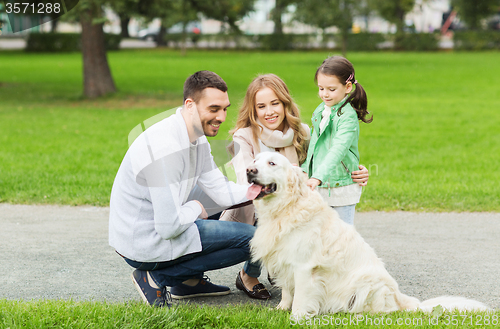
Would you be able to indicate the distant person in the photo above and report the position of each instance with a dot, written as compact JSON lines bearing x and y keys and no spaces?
{"x":156,"y":210}
{"x":268,"y":121}
{"x":333,"y":151}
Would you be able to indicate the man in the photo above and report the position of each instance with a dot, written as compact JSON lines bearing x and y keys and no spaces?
{"x":155,"y":208}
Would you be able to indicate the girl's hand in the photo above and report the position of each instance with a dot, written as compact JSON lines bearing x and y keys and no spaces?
{"x":203,"y":214}
{"x":313,"y":183}
{"x":360,"y":176}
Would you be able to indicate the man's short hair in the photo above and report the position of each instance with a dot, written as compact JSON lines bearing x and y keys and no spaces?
{"x":196,"y":83}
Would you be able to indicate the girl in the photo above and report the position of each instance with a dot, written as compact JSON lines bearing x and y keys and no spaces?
{"x":333,"y":150}
{"x":268,"y":121}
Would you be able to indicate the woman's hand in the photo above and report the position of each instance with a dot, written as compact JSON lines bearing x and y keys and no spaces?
{"x":313,"y":183}
{"x":360,"y":176}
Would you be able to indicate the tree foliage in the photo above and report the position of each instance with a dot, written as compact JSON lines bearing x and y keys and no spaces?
{"x":394,"y":11}
{"x":473,"y":11}
{"x":227,"y":11}
{"x":328,"y":13}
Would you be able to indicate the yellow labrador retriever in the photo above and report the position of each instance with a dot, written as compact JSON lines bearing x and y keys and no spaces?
{"x":322,"y":264}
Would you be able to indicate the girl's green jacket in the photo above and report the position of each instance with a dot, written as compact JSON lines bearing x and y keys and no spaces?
{"x":333,"y":154}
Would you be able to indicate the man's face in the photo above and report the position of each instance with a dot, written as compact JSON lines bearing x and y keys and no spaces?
{"x":212,"y":110}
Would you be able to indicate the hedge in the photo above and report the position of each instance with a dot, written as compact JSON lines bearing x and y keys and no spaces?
{"x":358,"y":41}
{"x":64,"y":42}
{"x":418,"y":42}
{"x":363,"y":41}
{"x":476,"y":40}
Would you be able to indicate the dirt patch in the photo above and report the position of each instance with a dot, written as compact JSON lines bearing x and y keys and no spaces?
{"x":131,"y":102}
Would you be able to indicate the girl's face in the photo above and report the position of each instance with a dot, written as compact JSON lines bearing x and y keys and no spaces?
{"x":331,"y":90}
{"x":270,"y":110}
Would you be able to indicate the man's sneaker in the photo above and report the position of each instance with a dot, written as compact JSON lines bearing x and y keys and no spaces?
{"x":203,"y":288}
{"x":159,"y":297}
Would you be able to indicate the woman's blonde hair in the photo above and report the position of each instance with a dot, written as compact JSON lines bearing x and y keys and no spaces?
{"x":247,"y":116}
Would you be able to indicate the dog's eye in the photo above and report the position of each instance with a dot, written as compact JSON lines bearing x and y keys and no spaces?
{"x":272,"y":163}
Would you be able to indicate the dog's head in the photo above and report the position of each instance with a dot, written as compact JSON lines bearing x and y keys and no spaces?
{"x":271,"y":173}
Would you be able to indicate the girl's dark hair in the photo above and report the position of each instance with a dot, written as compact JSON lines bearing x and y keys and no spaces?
{"x":341,"y":68}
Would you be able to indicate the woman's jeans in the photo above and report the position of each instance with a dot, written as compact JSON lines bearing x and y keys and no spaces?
{"x":346,"y":213}
{"x":223,"y":244}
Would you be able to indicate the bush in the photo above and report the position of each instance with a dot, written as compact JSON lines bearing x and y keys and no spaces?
{"x":112,"y":41}
{"x":53,"y":42}
{"x":276,"y":41}
{"x":65,"y":42}
{"x":476,"y":40}
{"x":363,"y":41}
{"x":176,"y":38}
{"x":418,"y":42}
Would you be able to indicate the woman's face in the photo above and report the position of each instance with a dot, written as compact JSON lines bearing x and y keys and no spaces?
{"x":270,"y":110}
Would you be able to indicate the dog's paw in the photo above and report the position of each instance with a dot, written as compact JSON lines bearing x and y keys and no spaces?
{"x":284,"y":305}
{"x":301,"y":315}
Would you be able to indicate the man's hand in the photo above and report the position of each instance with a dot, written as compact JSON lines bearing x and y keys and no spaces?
{"x":313,"y":183}
{"x":203,"y":214}
{"x":360,"y":176}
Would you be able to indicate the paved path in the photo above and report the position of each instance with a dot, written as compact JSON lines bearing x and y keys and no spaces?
{"x":62,"y":252}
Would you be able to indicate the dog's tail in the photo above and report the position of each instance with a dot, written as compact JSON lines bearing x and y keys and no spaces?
{"x":451,"y":303}
{"x":406,"y":302}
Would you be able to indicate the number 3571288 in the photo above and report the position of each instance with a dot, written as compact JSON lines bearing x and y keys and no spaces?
{"x":32,"y":8}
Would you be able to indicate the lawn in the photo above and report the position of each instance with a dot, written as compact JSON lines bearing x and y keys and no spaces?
{"x":69,"y":314}
{"x":433,"y":145}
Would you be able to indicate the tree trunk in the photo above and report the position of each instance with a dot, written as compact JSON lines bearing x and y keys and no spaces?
{"x":183,"y":38}
{"x":345,"y":36}
{"x":53,"y":25}
{"x":160,"y":39}
{"x":124,"y":20}
{"x":276,"y":16}
{"x":400,"y":28}
{"x":97,"y":79}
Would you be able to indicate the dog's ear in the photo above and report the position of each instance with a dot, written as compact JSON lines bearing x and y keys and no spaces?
{"x":302,"y":176}
{"x":296,"y":179}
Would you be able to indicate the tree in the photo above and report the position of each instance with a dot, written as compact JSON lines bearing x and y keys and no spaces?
{"x":170,"y":12}
{"x":364,"y":10}
{"x":125,"y":9}
{"x":227,"y":11}
{"x":151,"y":9}
{"x":473,"y":11}
{"x":328,"y":13}
{"x":277,"y":14}
{"x":182,"y":12}
{"x":395,"y":12}
{"x":97,"y":78}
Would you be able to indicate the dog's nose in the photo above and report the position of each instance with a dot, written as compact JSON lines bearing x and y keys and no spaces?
{"x":252,"y":171}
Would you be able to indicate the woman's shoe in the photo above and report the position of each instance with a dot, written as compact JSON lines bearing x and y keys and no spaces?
{"x":258,"y":291}
{"x":271,"y":280}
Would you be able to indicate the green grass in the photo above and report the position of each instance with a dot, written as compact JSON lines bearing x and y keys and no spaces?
{"x":70,"y":314}
{"x":433,"y":145}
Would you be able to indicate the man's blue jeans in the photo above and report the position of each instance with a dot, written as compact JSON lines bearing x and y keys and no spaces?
{"x":223,"y":244}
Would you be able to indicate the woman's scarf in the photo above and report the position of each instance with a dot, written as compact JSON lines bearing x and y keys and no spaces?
{"x":278,"y":140}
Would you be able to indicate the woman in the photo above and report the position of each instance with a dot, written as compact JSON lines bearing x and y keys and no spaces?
{"x":268,"y":121}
